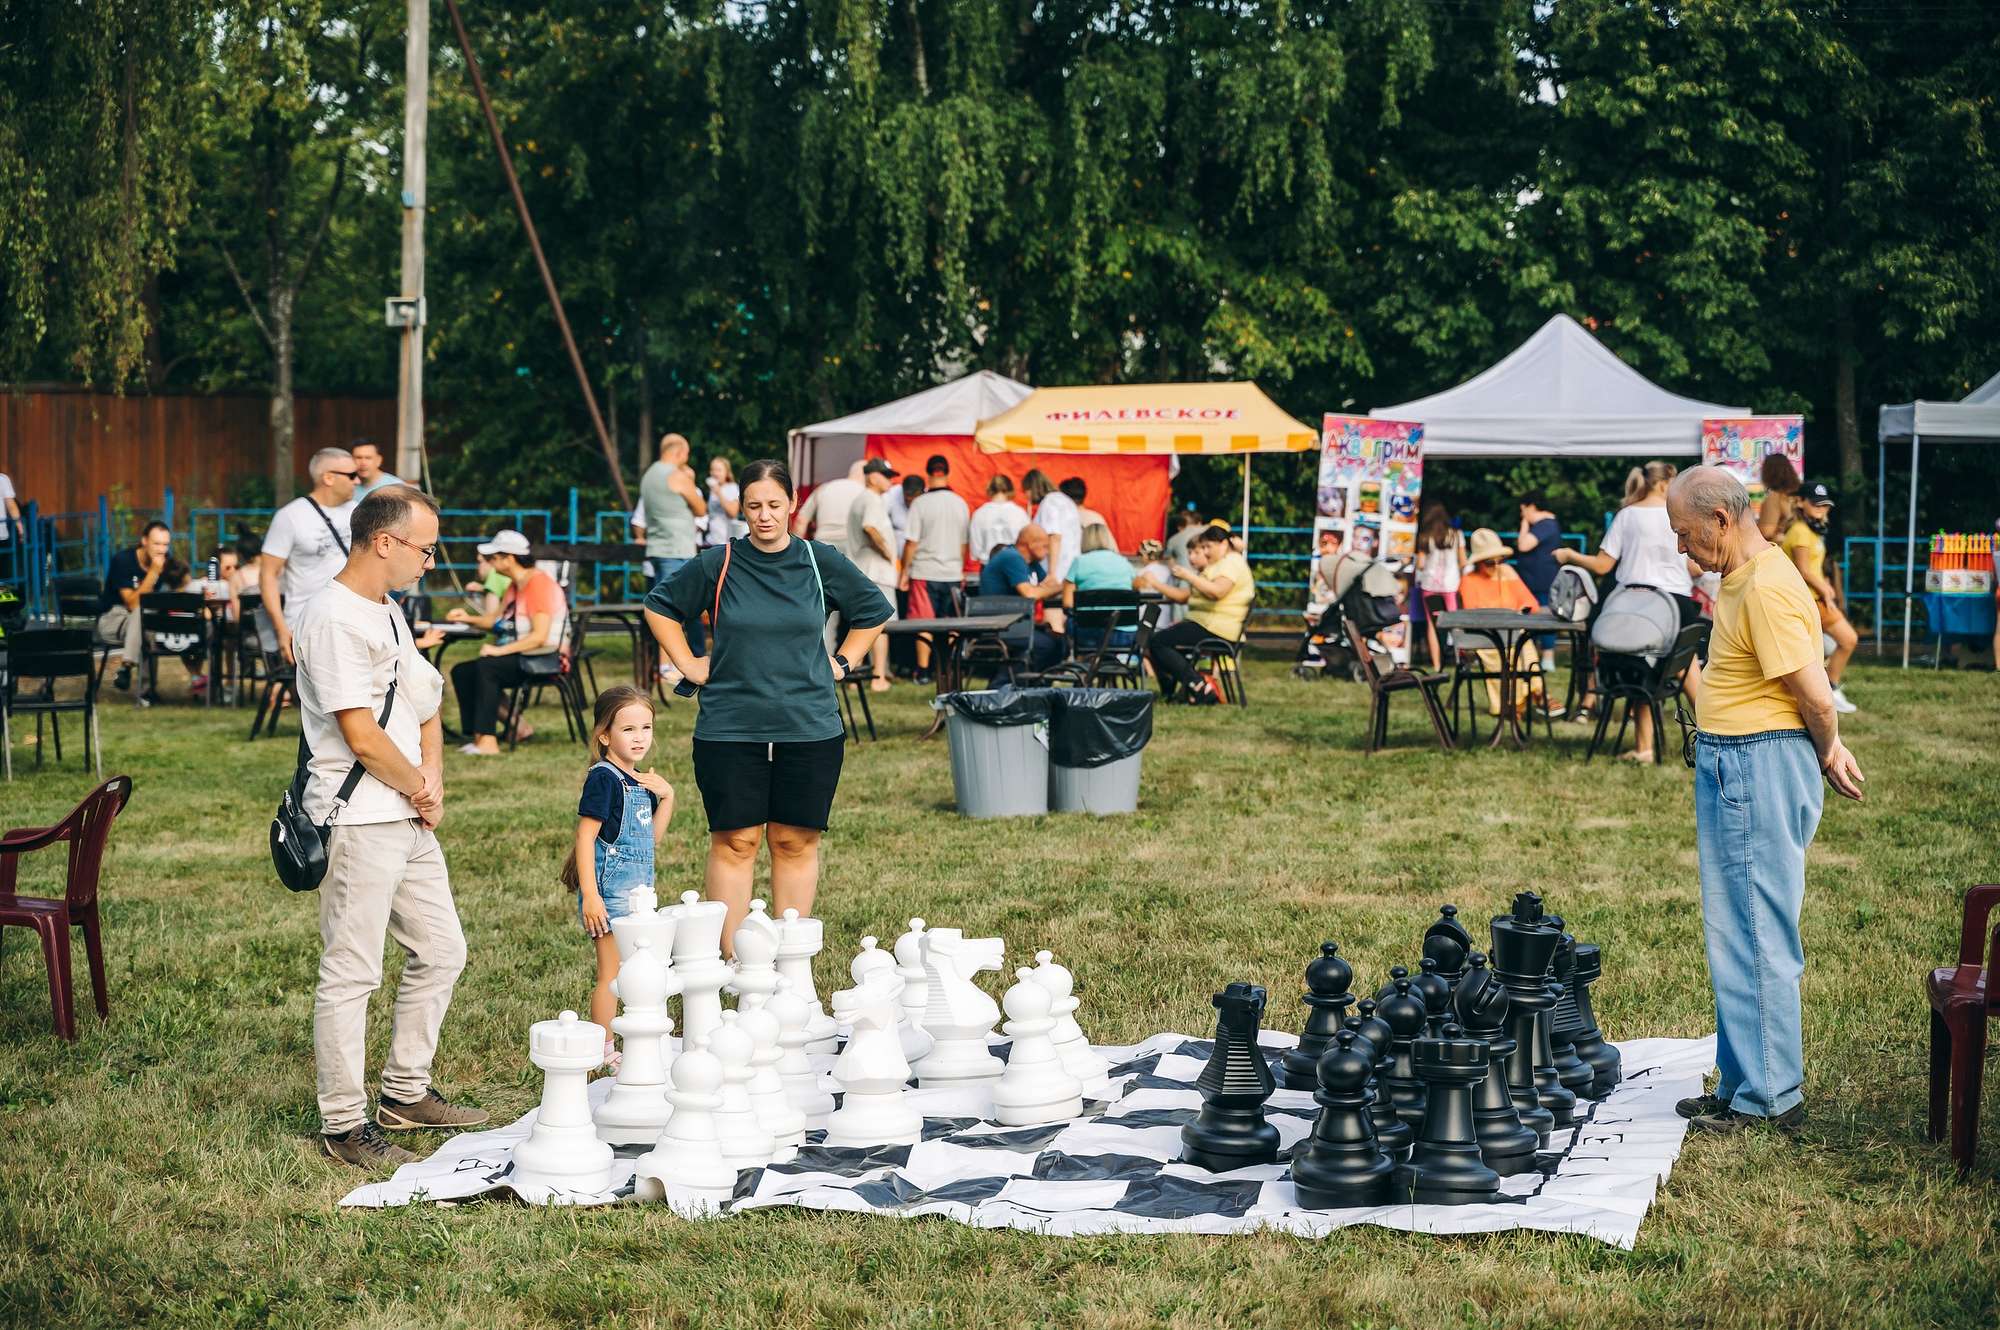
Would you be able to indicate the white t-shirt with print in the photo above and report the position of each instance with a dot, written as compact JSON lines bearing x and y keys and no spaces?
{"x":312,"y":556}
{"x":1642,"y":540}
{"x":349,"y":649}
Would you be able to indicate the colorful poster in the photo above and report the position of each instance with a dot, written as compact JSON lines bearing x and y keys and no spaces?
{"x":1740,"y":447}
{"x":1368,"y":492}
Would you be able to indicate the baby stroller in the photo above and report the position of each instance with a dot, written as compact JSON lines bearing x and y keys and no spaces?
{"x":1365,"y":591}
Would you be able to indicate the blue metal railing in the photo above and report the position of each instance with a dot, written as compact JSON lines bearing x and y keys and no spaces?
{"x":1875,"y":579}
{"x":1308,"y":554}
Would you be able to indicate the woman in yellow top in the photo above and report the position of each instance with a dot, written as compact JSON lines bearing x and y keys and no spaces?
{"x":1218,"y":591}
{"x":1805,"y":545}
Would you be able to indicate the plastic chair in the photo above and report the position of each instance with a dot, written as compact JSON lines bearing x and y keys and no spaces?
{"x":280,"y":676}
{"x":1961,"y":996}
{"x":49,"y":654}
{"x":1641,"y":682}
{"x":1381,"y":685}
{"x":169,"y":614}
{"x":86,"y":829}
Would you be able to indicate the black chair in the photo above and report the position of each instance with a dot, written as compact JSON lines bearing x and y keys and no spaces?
{"x":1640,"y":681}
{"x":1125,"y":667}
{"x":1010,"y":652}
{"x":240,"y":640}
{"x":76,"y":599}
{"x":1224,"y":661}
{"x":853,"y":686}
{"x":1097,"y":615}
{"x":279,"y":677}
{"x":169,"y":614}
{"x":1382,"y":684}
{"x":48,"y":655}
{"x":548,"y":669}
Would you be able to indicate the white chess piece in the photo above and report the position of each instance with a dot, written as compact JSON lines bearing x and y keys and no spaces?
{"x":795,"y":1071}
{"x":686,"y":1168}
{"x":774,"y":1108}
{"x":636,"y":1108}
{"x":1078,"y":1059}
{"x":871,"y":960}
{"x":872,"y":1073}
{"x":910,"y":967}
{"x":759,"y":917}
{"x":644,"y":918}
{"x":801,"y":937}
{"x":744,"y":1142}
{"x":958,"y":1016}
{"x":1034,"y":1089}
{"x":756,"y":976}
{"x":698,"y":961}
{"x":562,"y":1150}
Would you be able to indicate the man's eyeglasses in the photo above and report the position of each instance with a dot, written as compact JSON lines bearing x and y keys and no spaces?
{"x":344,"y":475}
{"x":1686,"y":721}
{"x":430,"y":552}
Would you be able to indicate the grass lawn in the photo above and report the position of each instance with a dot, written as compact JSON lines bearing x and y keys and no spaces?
{"x":164,"y":1168}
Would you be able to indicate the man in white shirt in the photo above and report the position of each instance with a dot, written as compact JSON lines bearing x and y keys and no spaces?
{"x":307,"y":542}
{"x":998,"y":521}
{"x":870,"y":544}
{"x":823,"y":515}
{"x":368,"y":473}
{"x":385,"y":874}
{"x":935,"y":546}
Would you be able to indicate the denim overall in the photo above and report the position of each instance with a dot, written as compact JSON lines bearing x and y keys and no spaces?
{"x":628,"y":861}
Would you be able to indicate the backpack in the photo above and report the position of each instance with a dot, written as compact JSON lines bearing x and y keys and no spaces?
{"x":1573,"y":594}
{"x":1370,"y":599}
{"x":1637,"y":621}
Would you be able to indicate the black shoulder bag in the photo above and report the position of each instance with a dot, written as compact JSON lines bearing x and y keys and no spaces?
{"x":298,"y":844}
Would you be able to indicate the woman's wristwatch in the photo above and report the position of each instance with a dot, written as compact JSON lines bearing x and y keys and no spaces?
{"x":845,"y":668}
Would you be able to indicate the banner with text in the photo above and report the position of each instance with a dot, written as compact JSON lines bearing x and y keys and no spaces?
{"x":1371,"y":479}
{"x":1740,"y":446}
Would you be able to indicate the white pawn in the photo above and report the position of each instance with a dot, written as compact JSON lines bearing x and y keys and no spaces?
{"x":910,"y":966}
{"x":562,"y":1150}
{"x":756,"y":976}
{"x":1034,"y":1088}
{"x":958,"y":1015}
{"x":636,"y":1109}
{"x":774,"y":1108}
{"x":1078,"y":1059}
{"x":871,"y":960}
{"x":801,"y":937}
{"x":644,"y":918}
{"x":744,"y":1142}
{"x":795,"y":1070}
{"x":872,"y":1073}
{"x":686,"y":1168}
{"x":698,"y":961}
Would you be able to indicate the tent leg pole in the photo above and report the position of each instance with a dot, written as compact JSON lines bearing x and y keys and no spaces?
{"x":1881,"y":510}
{"x":1246,"y":503}
{"x":1910,"y":549}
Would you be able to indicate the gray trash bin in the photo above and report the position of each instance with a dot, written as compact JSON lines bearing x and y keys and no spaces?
{"x":999,"y":751}
{"x":1097,"y":738}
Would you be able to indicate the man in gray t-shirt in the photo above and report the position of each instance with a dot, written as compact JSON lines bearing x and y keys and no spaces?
{"x":671,"y":501}
{"x":936,"y":540}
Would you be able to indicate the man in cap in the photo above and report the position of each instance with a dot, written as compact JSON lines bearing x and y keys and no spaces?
{"x":870,"y":542}
{"x":530,"y":622}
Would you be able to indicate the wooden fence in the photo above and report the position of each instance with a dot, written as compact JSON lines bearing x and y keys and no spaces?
{"x":64,"y":446}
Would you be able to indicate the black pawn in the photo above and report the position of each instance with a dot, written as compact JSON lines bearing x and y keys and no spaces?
{"x":1388,"y":990}
{"x":1573,"y":1072}
{"x":1587,"y":1038}
{"x":1230,"y":1131}
{"x":1448,"y":943}
{"x":1480,"y":1002}
{"x":1391,"y":1132}
{"x":1340,"y":1164}
{"x":1522,"y":949}
{"x":1556,"y":1097}
{"x":1404,"y":1013}
{"x":1445,"y":1168}
{"x":1434,"y":991}
{"x":1327,"y":980}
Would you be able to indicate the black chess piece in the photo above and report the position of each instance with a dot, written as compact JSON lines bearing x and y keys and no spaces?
{"x":1445,"y":1168}
{"x":1480,"y":1002}
{"x":1391,"y":1132}
{"x":1230,"y":1131}
{"x":1434,"y":991}
{"x":1340,"y":1164}
{"x":1386,"y":991}
{"x":1328,"y":979}
{"x":1448,"y":943}
{"x":1522,"y":949}
{"x":1556,"y":1097}
{"x":1404,"y":1012}
{"x":1587,"y":1039}
{"x":1574,"y":1074}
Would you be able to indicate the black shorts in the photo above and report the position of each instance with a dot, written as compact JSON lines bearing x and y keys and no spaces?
{"x":947,"y":599}
{"x":750,"y":784}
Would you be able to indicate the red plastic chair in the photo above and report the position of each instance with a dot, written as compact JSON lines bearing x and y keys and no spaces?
{"x":1960,"y":998}
{"x":87,"y":828}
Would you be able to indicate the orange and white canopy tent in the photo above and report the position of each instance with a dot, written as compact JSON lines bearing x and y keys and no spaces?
{"x":1204,"y":419}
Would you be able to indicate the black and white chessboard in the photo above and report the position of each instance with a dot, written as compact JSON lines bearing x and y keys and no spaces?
{"x":1116,"y":1169}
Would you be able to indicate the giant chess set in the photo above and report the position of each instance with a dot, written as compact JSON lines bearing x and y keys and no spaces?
{"x":1473,"y":1094}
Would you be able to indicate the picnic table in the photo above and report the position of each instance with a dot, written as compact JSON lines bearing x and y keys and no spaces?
{"x":628,"y":617}
{"x":951,"y":632}
{"x":1508,"y":628}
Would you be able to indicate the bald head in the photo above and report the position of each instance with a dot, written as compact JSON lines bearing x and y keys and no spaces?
{"x":1708,"y":509}
{"x":1033,"y":542}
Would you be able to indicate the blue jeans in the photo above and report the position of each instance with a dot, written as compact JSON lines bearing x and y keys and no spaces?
{"x":659,"y":570}
{"x":1757,"y":803}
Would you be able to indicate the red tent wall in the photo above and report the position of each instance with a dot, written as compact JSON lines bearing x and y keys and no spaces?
{"x":1132,"y":492}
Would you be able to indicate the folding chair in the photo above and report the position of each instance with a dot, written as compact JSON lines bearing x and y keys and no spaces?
{"x":1224,"y":660}
{"x":169,"y":614}
{"x":49,"y":655}
{"x":1098,"y":615}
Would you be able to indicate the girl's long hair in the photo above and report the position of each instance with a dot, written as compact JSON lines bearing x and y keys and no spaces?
{"x":609,"y":703}
{"x":1435,"y":534}
{"x":1644,"y":481}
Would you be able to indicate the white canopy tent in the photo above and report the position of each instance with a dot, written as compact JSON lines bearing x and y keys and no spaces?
{"x":1561,"y":393}
{"x":824,"y":451}
{"x":1973,"y":419}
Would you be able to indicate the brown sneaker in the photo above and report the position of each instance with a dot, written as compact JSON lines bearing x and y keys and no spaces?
{"x":431,"y":1113}
{"x":365,"y":1147}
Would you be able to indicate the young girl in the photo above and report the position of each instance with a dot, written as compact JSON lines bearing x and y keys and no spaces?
{"x":620,"y":819}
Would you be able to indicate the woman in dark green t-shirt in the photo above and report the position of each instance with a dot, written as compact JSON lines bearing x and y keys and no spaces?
{"x":768,"y":741}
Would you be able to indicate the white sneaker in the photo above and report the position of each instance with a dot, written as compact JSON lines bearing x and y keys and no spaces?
{"x":1841,"y":704}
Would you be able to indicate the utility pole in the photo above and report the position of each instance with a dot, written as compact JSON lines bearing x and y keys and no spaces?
{"x":410,"y":460}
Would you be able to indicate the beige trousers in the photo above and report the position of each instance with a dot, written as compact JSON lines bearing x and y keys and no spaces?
{"x":1524,"y":652}
{"x":383,"y":879}
{"x":119,"y":627}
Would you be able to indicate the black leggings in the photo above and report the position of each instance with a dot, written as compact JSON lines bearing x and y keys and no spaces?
{"x":1170,"y":650}
{"x":480,"y":684}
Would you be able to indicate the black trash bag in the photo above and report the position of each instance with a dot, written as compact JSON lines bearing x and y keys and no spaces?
{"x":1095,"y":726}
{"x":1001,"y":707}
